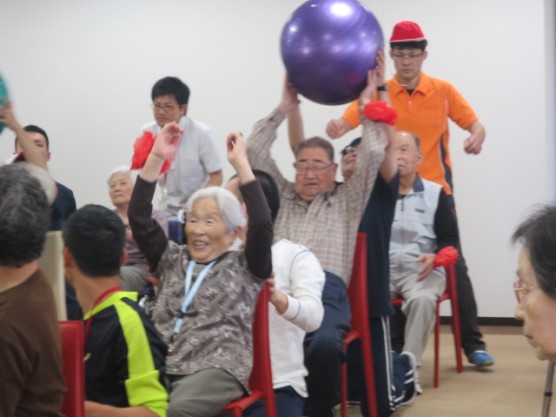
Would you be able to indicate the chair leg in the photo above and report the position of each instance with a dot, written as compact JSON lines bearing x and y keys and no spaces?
{"x":343,"y":388}
{"x":436,"y":381}
{"x":368,"y":364}
{"x":456,"y":330}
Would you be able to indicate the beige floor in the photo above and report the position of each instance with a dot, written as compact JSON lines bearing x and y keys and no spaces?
{"x":513,"y":387}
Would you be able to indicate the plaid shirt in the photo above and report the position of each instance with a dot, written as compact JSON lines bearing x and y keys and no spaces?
{"x":327,"y":225}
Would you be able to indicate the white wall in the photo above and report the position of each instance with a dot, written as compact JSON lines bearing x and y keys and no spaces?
{"x":83,"y":70}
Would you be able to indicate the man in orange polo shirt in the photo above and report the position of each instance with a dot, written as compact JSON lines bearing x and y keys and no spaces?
{"x":424,"y":105}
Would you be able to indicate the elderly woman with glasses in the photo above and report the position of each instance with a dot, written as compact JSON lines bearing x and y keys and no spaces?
{"x":207,"y":294}
{"x":536,"y":284}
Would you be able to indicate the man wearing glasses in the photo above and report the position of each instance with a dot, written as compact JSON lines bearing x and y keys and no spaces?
{"x":198,"y":162}
{"x":324,"y":216}
{"x":424,"y":104}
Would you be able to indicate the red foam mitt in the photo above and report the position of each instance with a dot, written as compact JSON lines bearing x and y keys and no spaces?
{"x":379,"y":111}
{"x":446,"y":256}
{"x":141,"y":151}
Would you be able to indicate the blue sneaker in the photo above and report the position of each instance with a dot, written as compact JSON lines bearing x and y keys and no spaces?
{"x":411,"y":383}
{"x":481,"y":359}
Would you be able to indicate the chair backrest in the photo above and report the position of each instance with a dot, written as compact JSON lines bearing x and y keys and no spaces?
{"x":52,"y":264}
{"x":72,"y":340}
{"x":262,"y":369}
{"x":357,"y":291}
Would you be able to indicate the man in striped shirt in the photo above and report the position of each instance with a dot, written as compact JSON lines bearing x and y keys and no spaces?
{"x":323,"y":215}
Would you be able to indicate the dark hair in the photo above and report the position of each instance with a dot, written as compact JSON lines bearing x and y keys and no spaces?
{"x":25,"y":215}
{"x":171,"y":86}
{"x":354,"y":142}
{"x":270,"y":191}
{"x":422,"y":45}
{"x":34,"y":129}
{"x":95,"y":236}
{"x":316,"y":142}
{"x":538,"y":235}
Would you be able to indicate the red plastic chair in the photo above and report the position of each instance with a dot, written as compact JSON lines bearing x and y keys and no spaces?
{"x":360,"y":327}
{"x":72,"y":340}
{"x":260,"y":381}
{"x":450,"y":293}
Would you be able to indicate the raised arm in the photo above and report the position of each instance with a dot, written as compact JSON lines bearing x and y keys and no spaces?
{"x":148,"y":234}
{"x":264,"y":134}
{"x":30,"y":150}
{"x":295,"y":122}
{"x":377,"y":133}
{"x":258,"y":244}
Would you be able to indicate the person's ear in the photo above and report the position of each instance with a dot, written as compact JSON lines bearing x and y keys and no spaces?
{"x":123,"y":257}
{"x":69,"y":262}
{"x":183,"y":109}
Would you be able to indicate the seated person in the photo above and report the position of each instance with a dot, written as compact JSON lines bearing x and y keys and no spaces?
{"x":296,"y":291}
{"x":31,"y":379}
{"x":197,"y":162}
{"x":207,"y":294}
{"x":124,"y":356}
{"x":423,"y":224}
{"x":136,"y":268}
{"x":536,"y":284}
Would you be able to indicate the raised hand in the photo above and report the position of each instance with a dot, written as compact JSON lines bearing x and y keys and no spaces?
{"x":337,"y":128}
{"x":167,"y":141}
{"x":7,"y":116}
{"x":380,"y":67}
{"x":367,"y":94}
{"x":289,"y":97}
{"x":237,"y":156}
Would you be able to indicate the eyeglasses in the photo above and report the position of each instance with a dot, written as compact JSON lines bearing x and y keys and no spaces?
{"x":349,"y":149}
{"x":411,"y":57}
{"x":163,"y":107}
{"x":302,"y":168}
{"x":521,"y":291}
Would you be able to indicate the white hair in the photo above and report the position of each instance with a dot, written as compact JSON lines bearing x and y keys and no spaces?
{"x":122,"y":169}
{"x":227,"y":202}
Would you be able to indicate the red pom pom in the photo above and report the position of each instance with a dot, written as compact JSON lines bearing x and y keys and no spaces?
{"x":446,"y":256}
{"x":141,"y":151}
{"x":380,"y":112}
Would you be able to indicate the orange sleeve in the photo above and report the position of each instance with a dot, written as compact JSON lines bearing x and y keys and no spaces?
{"x":351,"y":115}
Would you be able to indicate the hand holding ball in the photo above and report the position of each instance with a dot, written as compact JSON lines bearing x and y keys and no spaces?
{"x":328,"y":47}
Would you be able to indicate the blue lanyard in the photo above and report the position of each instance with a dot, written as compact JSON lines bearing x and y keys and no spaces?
{"x":190,"y":291}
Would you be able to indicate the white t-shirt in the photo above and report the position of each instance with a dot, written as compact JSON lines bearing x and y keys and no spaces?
{"x":197,"y":157}
{"x":298,"y":273}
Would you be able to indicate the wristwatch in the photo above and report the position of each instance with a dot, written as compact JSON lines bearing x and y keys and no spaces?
{"x":383,"y":87}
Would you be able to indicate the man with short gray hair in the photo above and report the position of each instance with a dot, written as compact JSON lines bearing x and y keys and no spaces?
{"x":31,"y":381}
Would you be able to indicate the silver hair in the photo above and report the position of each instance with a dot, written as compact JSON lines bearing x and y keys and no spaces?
{"x":25,"y":214}
{"x":227,"y":202}
{"x":122,"y":169}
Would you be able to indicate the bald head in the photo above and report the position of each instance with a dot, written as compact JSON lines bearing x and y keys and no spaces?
{"x":408,"y":153}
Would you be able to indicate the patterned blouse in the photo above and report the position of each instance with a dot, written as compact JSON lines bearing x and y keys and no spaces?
{"x":216,"y":330}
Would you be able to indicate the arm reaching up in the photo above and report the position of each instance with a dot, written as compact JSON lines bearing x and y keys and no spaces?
{"x":31,"y":151}
{"x":165,"y":147}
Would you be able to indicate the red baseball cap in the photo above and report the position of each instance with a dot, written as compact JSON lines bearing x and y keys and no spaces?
{"x":407,"y":31}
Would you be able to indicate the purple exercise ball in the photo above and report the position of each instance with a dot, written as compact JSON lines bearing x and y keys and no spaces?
{"x":328,"y":47}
